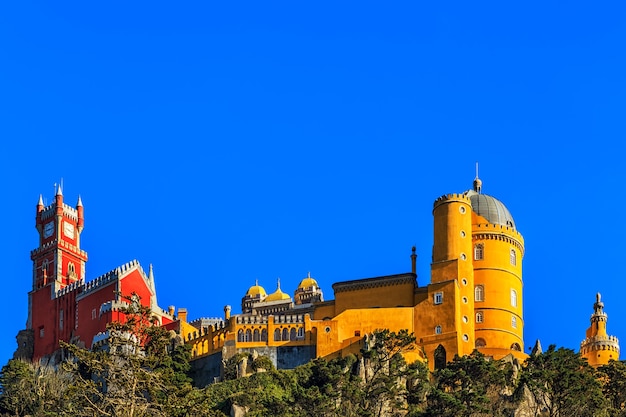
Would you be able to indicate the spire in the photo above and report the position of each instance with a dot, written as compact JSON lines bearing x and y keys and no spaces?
{"x":478,"y":184}
{"x":598,"y":305}
{"x":80,"y":202}
{"x":59,"y":190}
{"x":40,"y":202}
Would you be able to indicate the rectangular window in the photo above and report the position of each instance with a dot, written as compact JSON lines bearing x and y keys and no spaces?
{"x":438,"y":298}
{"x":93,"y":314}
{"x":41,"y":332}
{"x":437,"y":329}
{"x":61,"y":319}
{"x":514,"y":322}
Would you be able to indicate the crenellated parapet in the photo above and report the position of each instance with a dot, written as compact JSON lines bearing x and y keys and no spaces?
{"x":486,"y":231}
{"x":598,"y":343}
{"x":449,"y":198}
{"x":74,"y":286}
{"x":68,"y":211}
{"x":110,"y":276}
{"x":113,"y":306}
{"x":251,"y":319}
{"x":289,"y":319}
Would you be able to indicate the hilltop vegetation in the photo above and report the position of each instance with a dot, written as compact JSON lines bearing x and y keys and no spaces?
{"x":127,"y":380}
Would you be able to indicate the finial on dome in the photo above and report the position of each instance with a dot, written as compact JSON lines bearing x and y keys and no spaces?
{"x":478,"y":184}
{"x":278,"y":287}
{"x":599,"y":305}
{"x":256,"y":282}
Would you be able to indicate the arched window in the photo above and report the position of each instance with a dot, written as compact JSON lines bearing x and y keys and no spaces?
{"x":277,"y":335}
{"x":440,"y":357}
{"x":240,"y":335}
{"x":285,"y":334}
{"x":480,"y":343}
{"x":479,"y":293}
{"x":437,"y":329}
{"x":513,"y":297}
{"x":479,"y":252}
{"x":513,"y":257}
{"x":516,"y":347}
{"x":264,"y":335}
{"x":248,"y":336}
{"x":256,"y":336}
{"x":479,"y":317}
{"x":71,"y":268}
{"x":292,"y":334}
{"x":301,"y":332}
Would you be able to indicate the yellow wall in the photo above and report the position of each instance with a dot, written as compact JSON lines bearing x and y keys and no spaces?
{"x":498,"y":277}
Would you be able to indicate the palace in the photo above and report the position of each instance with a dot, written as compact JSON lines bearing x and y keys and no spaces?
{"x":474,"y":300}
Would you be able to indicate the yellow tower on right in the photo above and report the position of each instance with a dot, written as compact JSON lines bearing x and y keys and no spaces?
{"x":497,"y":252}
{"x":598,"y":347}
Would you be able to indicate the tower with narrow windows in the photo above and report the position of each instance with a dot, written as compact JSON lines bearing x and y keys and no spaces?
{"x":598,"y":347}
{"x":58,"y":263}
{"x":497,"y":252}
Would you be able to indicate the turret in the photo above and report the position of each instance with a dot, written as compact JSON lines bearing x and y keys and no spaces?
{"x":81,"y":220}
{"x":598,"y":347}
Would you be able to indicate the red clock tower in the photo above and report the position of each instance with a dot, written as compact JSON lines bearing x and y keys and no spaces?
{"x":58,"y":268}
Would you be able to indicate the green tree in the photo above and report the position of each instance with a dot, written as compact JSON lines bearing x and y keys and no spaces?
{"x":613,"y":379}
{"x":136,"y":373}
{"x":472,"y":385}
{"x":32,"y":389}
{"x":562,"y":384}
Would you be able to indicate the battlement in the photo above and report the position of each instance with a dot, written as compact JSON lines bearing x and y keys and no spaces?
{"x":206,"y":321}
{"x":43,"y":248}
{"x":599,"y":343}
{"x":449,"y":198}
{"x":286,"y":319}
{"x":53,"y":243}
{"x":251,"y":319}
{"x":74,"y":286}
{"x":68,"y":211}
{"x":110,"y":276}
{"x":112,"y":306}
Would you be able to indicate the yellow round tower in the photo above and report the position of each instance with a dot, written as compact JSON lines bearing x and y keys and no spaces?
{"x":452,"y":251}
{"x":497,"y":252}
{"x":598,"y":347}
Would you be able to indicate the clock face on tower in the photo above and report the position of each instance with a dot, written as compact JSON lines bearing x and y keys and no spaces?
{"x":68,"y":230}
{"x":48,"y":229}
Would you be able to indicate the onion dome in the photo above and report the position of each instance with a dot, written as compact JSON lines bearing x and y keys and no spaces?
{"x":277,"y":295}
{"x":489,"y":207}
{"x":256,"y":291}
{"x":307,"y":282}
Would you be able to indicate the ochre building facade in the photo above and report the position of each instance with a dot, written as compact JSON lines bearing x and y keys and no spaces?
{"x":474,"y":299}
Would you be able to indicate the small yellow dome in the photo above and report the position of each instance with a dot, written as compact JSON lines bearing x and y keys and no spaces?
{"x":307,"y":283}
{"x":278,"y":295}
{"x":256,"y":291}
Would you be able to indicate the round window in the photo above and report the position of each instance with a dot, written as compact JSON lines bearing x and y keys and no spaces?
{"x":465,"y":337}
{"x":462,"y":209}
{"x":464,"y":281}
{"x":327,"y":329}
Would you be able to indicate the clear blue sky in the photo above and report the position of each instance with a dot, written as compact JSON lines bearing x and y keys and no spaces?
{"x":256,"y":140}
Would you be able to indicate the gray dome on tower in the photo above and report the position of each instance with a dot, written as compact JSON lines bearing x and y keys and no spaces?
{"x":489,"y":207}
